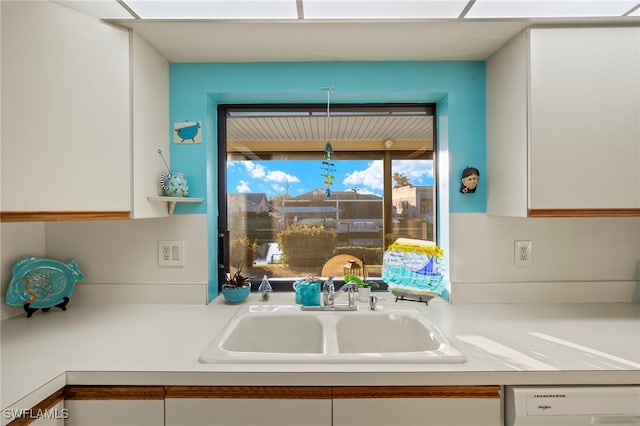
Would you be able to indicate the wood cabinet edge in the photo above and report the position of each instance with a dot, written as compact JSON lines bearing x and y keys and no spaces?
{"x":58,"y":216}
{"x":627,"y":212}
{"x":250,"y":392}
{"x":355,"y":392}
{"x":43,"y":405}
{"x":110,"y":392}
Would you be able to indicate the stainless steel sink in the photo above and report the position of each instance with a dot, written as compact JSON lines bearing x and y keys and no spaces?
{"x":284,"y":333}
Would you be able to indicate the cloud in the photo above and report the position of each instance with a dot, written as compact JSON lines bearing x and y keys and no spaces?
{"x":279,"y":176}
{"x":417,"y":171}
{"x":370,"y":177}
{"x":243,"y":186}
{"x":278,"y":188}
{"x":258,"y":171}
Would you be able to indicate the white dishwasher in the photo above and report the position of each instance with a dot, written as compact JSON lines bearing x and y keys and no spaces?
{"x":572,"y":405}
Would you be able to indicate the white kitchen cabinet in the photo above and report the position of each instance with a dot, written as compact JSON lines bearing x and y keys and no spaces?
{"x":417,"y":406}
{"x":563,"y":123}
{"x":248,"y":412}
{"x":114,"y":405}
{"x":115,"y":413}
{"x":337,"y":406}
{"x":150,"y":100}
{"x":85,"y":108}
{"x":247,"y":406}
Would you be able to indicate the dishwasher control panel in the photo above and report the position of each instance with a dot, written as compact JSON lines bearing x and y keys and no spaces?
{"x":572,"y":405}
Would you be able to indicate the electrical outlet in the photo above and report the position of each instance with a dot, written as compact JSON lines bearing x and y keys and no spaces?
{"x":523,"y":252}
{"x":170,"y":253}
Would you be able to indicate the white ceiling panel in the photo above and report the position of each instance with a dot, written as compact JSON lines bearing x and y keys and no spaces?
{"x":103,"y":9}
{"x":214,"y":9}
{"x":549,"y":8}
{"x":383,"y":9}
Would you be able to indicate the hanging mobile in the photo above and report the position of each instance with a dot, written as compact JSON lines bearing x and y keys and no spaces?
{"x":327,"y":164}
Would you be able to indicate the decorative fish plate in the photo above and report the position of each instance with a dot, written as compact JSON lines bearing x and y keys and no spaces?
{"x":41,"y":283}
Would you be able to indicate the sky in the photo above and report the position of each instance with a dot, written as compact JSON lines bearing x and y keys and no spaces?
{"x":296,"y":177}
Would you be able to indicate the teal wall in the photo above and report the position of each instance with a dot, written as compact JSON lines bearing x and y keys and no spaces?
{"x":458,"y":88}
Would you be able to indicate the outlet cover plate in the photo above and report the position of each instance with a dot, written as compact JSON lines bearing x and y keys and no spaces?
{"x":522,"y":252}
{"x":170,"y":253}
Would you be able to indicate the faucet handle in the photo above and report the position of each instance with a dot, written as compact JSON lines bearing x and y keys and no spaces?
{"x":328,"y":290}
{"x":328,"y":286}
{"x":350,"y":288}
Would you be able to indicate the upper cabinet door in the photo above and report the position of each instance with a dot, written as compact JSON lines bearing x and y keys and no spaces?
{"x":66,"y":132}
{"x":585,"y":118}
{"x":563,"y":123}
{"x":150,"y":87}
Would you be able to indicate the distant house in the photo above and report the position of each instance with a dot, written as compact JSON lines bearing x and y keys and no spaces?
{"x":247,"y":203}
{"x":355,"y":217}
{"x":343,"y":205}
{"x":412,"y":201}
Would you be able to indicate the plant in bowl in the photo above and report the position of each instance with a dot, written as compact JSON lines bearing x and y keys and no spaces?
{"x":364,"y":287}
{"x":237,"y":287}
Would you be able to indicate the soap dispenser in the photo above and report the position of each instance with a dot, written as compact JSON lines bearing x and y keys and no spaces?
{"x":265,"y":288}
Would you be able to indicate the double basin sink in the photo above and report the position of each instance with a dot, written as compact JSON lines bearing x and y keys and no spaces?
{"x":284,"y":333}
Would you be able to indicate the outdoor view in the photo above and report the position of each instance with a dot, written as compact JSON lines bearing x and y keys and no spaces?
{"x":283,"y":222}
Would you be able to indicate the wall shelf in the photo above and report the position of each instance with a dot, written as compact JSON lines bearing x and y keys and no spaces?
{"x":171,"y":201}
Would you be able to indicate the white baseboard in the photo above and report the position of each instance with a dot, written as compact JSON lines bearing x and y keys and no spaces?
{"x":543,"y":292}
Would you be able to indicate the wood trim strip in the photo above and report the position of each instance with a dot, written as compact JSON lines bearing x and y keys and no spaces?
{"x":108,"y":392}
{"x":43,"y":405}
{"x":355,"y":392}
{"x":250,"y":392}
{"x":56,"y":216}
{"x":584,"y":212}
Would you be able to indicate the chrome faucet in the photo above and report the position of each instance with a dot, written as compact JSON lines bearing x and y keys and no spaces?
{"x":330,"y":294}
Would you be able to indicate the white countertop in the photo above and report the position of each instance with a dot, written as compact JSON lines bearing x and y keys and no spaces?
{"x":160,"y":344}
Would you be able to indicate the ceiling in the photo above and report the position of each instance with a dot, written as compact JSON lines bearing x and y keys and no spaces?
{"x":345,"y":30}
{"x":346,"y":133}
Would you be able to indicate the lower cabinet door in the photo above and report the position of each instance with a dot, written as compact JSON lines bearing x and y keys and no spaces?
{"x":248,"y":406}
{"x":115,"y":413}
{"x":418,"y":406}
{"x":114,"y":405}
{"x":53,"y":416}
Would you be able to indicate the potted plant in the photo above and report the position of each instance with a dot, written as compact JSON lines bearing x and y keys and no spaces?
{"x":364,"y":287}
{"x":237,"y":287}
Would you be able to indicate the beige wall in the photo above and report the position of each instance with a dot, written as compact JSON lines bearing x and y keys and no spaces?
{"x":120,"y":259}
{"x":580,"y":260}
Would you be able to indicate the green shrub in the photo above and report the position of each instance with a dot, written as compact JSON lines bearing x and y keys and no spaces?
{"x":243,"y":251}
{"x":371,"y":255}
{"x":306,"y":245}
